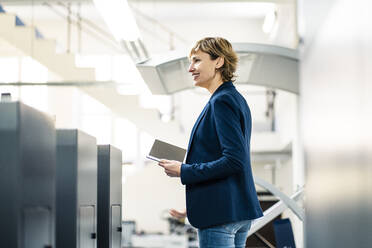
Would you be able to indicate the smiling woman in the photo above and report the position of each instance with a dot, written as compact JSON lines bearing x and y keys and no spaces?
{"x":214,"y":53}
{"x":217,"y":172}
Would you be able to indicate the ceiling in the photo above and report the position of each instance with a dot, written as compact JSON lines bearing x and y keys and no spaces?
{"x":164,"y":25}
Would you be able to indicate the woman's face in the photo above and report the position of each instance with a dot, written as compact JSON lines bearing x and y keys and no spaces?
{"x":202,"y":69}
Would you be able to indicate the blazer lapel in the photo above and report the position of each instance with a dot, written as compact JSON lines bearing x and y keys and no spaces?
{"x":196,"y":125}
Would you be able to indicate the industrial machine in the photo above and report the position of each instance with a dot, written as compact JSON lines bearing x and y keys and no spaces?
{"x":27,"y":177}
{"x":76,"y":190}
{"x":109,"y":197}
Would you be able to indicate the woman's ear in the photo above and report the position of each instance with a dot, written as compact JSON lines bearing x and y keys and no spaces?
{"x":220,"y":62}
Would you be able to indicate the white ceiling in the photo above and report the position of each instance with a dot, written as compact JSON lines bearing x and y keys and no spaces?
{"x":187,"y":21}
{"x":203,"y":10}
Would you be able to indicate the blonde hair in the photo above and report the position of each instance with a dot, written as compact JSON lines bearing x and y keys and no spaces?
{"x":219,"y":47}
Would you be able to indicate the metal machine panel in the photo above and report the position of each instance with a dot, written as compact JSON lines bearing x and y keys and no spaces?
{"x":87,"y":234}
{"x":87,"y":169}
{"x":116,"y":226}
{"x":109,"y":196}
{"x":37,"y":237}
{"x":27,"y":176}
{"x":76,"y":189}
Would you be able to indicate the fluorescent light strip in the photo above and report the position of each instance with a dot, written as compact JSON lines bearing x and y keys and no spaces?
{"x":119,"y":19}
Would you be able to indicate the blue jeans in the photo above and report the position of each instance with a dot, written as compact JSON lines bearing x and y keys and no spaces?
{"x":232,"y":235}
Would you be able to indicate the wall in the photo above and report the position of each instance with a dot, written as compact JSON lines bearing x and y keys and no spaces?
{"x":148,"y":194}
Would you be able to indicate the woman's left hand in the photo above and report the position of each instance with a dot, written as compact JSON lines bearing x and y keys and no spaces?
{"x":171,"y":167}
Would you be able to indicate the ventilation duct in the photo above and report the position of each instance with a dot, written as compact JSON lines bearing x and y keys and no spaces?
{"x":264,"y":65}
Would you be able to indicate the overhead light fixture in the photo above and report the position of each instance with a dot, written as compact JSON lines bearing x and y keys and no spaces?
{"x":119,"y":19}
{"x":269,"y":22}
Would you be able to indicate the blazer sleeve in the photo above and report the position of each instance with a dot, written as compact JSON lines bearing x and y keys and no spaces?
{"x":232,"y":143}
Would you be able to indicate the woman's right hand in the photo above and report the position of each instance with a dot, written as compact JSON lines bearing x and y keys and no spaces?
{"x":177,"y":214}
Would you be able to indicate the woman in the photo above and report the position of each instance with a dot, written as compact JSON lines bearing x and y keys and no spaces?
{"x":221,"y":198}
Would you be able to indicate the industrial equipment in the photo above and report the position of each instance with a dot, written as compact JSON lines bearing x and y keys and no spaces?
{"x":109,"y":197}
{"x":76,"y":189}
{"x":27,"y":177}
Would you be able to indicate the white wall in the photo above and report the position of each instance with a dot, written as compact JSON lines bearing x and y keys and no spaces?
{"x":64,"y":105}
{"x":148,"y":194}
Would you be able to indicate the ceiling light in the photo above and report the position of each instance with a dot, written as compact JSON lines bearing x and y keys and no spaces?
{"x":119,"y":19}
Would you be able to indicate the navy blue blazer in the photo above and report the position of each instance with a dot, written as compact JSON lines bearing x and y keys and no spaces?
{"x":217,"y":171}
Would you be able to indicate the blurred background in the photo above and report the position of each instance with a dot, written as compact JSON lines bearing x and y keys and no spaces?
{"x":117,"y":70}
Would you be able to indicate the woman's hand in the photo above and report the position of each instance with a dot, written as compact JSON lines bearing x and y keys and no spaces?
{"x":177,"y":214}
{"x":171,"y":167}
